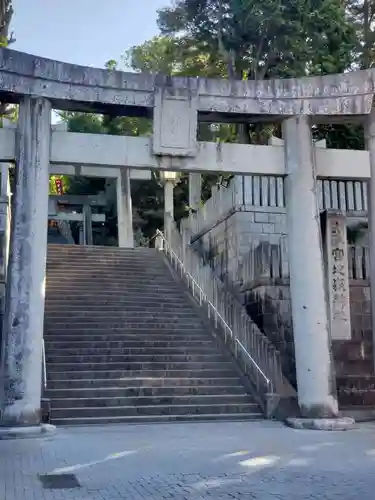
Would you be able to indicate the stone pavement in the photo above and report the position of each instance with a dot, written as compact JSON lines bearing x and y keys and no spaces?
{"x":226,"y":461}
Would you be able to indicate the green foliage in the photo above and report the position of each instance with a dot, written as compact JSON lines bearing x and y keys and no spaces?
{"x":83,"y":122}
{"x":246,"y":39}
{"x":111,"y":65}
{"x":356,"y":232}
{"x":361,"y":14}
{"x":260,"y":39}
{"x":6,"y":14}
{"x":175,"y":56}
{"x":341,"y":136}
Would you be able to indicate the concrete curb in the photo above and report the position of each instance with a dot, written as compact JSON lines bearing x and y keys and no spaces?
{"x":43,"y":430}
{"x":321,"y":424}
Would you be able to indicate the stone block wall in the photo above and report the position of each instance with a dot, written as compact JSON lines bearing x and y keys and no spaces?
{"x":230,"y":245}
{"x":249,"y":247}
{"x":269,"y":306}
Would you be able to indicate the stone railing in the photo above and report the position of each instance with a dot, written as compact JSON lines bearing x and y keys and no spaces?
{"x":253,"y":192}
{"x":221,"y":204}
{"x":266,"y":262}
{"x":263,"y":263}
{"x":344,"y":195}
{"x":359,"y":265}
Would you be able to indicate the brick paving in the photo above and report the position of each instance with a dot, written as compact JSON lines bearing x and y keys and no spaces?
{"x":226,"y":461}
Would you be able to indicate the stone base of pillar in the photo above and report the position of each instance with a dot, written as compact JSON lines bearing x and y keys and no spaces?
{"x":33,"y":431}
{"x":321,"y":424}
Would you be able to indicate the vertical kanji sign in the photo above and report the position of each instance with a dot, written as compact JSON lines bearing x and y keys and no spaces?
{"x":59,"y":187}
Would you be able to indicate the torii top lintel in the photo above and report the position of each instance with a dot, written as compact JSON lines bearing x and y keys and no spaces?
{"x":74,"y":87}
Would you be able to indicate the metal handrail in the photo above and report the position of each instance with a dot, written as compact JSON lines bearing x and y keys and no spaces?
{"x":202,"y":295}
{"x":268,"y":382}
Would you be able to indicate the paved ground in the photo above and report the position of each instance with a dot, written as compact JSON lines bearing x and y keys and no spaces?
{"x":226,"y":461}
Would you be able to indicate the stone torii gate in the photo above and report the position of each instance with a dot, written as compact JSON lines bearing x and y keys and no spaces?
{"x":177,"y":105}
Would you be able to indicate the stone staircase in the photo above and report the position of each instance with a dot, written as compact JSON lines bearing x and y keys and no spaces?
{"x":125,"y":343}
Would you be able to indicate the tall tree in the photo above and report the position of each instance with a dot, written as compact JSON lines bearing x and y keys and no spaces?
{"x":170,"y":55}
{"x":6,"y":14}
{"x":6,"y":38}
{"x":261,"y":39}
{"x":362,"y":15}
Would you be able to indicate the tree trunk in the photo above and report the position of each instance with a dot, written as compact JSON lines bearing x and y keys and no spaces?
{"x":366,"y":35}
{"x":6,"y":13}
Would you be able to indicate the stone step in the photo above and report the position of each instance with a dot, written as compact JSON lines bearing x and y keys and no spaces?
{"x":108,"y":301}
{"x":152,"y":352}
{"x":141,"y":359}
{"x":125,"y":299}
{"x":55,"y":305}
{"x":145,"y":366}
{"x":118,"y":314}
{"x":152,"y":401}
{"x":136,"y":292}
{"x":145,"y":281}
{"x":110,"y":373}
{"x":138,"y":383}
{"x":136,"y":346}
{"x":117,"y":273}
{"x":123,"y":292}
{"x":143,"y":391}
{"x":80,"y":251}
{"x":132,"y":298}
{"x":97,"y":264}
{"x":129,"y":269}
{"x":54,"y":349}
{"x":73,"y":267}
{"x":87,"y":248}
{"x":122,"y":335}
{"x":104,"y":256}
{"x":124,"y":343}
{"x":134,"y":411}
{"x":183,"y":352}
{"x":123,"y":322}
{"x":75,"y":328}
{"x":117,"y":319}
{"x":152,"y":262}
{"x":141,"y":419}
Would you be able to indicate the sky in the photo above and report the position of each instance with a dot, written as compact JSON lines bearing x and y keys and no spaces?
{"x":87,"y":32}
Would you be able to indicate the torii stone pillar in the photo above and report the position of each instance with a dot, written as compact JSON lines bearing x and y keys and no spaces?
{"x":168,"y":198}
{"x":21,"y":363}
{"x":124,"y":210}
{"x":195,"y":190}
{"x":370,"y":143}
{"x":169,"y":180}
{"x":315,"y":380}
{"x":168,"y":206}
